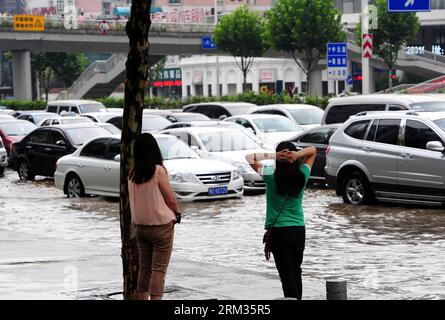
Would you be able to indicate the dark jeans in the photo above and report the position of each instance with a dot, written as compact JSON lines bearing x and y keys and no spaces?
{"x":287,"y":246}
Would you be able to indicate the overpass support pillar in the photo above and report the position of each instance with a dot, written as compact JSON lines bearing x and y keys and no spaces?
{"x":22,"y":75}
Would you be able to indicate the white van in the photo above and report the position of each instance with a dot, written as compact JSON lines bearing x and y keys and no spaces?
{"x":75,"y":106}
{"x":340,"y":109}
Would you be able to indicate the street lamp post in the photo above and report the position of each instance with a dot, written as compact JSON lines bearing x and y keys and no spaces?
{"x":218,"y":93}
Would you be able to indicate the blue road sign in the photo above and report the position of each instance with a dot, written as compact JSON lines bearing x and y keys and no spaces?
{"x":409,"y":5}
{"x":337,"y":60}
{"x":349,"y":80}
{"x":207,"y":42}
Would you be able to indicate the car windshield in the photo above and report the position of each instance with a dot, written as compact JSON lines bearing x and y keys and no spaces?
{"x":17,"y":129}
{"x":76,"y":120}
{"x":429,"y":106}
{"x":79,"y":136}
{"x":280,"y":124}
{"x":440,"y":123}
{"x":92,"y":107}
{"x":191,"y":117}
{"x":154,"y":123}
{"x":305,"y":116}
{"x":40,"y":117}
{"x":227,"y":141}
{"x":172,"y":148}
{"x":239,"y":109}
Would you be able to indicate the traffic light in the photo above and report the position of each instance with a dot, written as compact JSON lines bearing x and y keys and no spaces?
{"x":393,"y":74}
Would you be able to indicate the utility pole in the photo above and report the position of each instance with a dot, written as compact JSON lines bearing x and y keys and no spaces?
{"x":218,"y":93}
{"x":365,"y":61}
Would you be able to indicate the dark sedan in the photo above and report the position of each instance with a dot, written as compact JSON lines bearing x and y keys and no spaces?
{"x":319,"y":138}
{"x":38,"y":152}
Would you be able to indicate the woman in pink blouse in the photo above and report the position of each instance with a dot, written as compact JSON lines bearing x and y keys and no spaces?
{"x":153,"y":206}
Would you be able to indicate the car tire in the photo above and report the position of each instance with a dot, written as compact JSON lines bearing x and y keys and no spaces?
{"x":356,"y":189}
{"x":74,"y":187}
{"x":24,"y":171}
{"x":2,"y":170}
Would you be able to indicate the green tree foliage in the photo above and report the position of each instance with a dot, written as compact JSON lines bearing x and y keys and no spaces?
{"x":50,"y":67}
{"x":303,"y":28}
{"x":241,"y":34}
{"x":394,"y":30}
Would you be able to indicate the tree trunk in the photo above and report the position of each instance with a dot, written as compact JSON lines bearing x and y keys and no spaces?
{"x":137,"y":72}
{"x":308,"y":83}
{"x":46,"y":94}
{"x":244,"y":81}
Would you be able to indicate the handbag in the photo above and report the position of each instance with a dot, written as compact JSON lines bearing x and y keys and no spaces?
{"x":178,"y":217}
{"x":266,"y":237}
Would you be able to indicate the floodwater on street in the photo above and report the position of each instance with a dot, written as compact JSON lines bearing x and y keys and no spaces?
{"x":383,"y":251}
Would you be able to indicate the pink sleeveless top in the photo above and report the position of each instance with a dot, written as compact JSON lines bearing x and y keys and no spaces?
{"x":147,"y":204}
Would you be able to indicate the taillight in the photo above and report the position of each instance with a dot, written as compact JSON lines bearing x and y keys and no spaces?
{"x":327,"y":150}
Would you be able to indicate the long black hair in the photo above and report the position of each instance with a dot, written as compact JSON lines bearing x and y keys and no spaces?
{"x":147,"y":156}
{"x":289,"y":179}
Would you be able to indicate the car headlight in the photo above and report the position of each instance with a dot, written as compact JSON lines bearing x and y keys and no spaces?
{"x":182,"y":177}
{"x":244,"y":167}
{"x":236,"y":174}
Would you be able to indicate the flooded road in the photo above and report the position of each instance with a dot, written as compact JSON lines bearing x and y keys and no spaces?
{"x":383,"y":251}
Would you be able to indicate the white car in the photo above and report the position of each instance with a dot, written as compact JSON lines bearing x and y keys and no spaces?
{"x":64,"y":120}
{"x":271,"y":129}
{"x":95,"y":169}
{"x":3,"y":157}
{"x":225,"y":144}
{"x":306,"y":115}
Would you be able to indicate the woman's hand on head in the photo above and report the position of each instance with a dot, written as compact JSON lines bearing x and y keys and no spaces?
{"x":285,"y":156}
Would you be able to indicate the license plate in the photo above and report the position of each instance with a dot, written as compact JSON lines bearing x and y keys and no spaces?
{"x":217,"y":191}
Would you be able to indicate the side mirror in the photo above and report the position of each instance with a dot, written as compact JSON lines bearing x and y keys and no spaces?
{"x":61,"y":143}
{"x":435,"y":146}
{"x":117,"y":158}
{"x":222,"y":117}
{"x":195,"y":148}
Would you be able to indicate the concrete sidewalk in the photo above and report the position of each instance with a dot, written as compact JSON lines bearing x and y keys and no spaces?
{"x":34,"y":267}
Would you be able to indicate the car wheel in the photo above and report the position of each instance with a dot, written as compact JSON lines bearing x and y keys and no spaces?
{"x":356,"y":189}
{"x":24,"y":171}
{"x":74,"y":187}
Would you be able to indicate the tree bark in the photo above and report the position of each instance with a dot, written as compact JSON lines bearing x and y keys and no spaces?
{"x":137,"y":72}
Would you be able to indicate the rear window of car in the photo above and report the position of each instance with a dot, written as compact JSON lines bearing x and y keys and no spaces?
{"x":79,"y":136}
{"x":341,"y":113}
{"x":357,"y":129}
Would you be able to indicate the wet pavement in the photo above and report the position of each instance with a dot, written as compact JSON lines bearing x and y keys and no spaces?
{"x":58,"y":248}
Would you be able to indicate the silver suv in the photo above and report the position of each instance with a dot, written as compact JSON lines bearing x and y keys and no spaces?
{"x":389,"y":156}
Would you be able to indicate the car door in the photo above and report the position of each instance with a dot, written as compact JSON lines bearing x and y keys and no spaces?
{"x":111,"y":176}
{"x":318,"y":138}
{"x":379,"y":152}
{"x":420,"y":169}
{"x":92,"y":164}
{"x":57,"y":148}
{"x":36,"y":151}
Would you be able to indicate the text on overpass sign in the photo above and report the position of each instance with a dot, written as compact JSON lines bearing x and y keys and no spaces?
{"x":409,"y":5}
{"x":337,"y":60}
{"x":207,"y":42}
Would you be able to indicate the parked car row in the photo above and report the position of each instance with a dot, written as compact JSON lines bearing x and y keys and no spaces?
{"x":359,"y":143}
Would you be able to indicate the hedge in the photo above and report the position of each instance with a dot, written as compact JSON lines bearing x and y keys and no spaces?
{"x":166,"y":103}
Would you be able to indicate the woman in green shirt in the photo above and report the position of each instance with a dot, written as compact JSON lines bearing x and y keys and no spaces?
{"x":285,"y":185}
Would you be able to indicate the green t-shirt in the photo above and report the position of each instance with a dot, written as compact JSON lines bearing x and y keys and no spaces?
{"x":292,"y":214}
